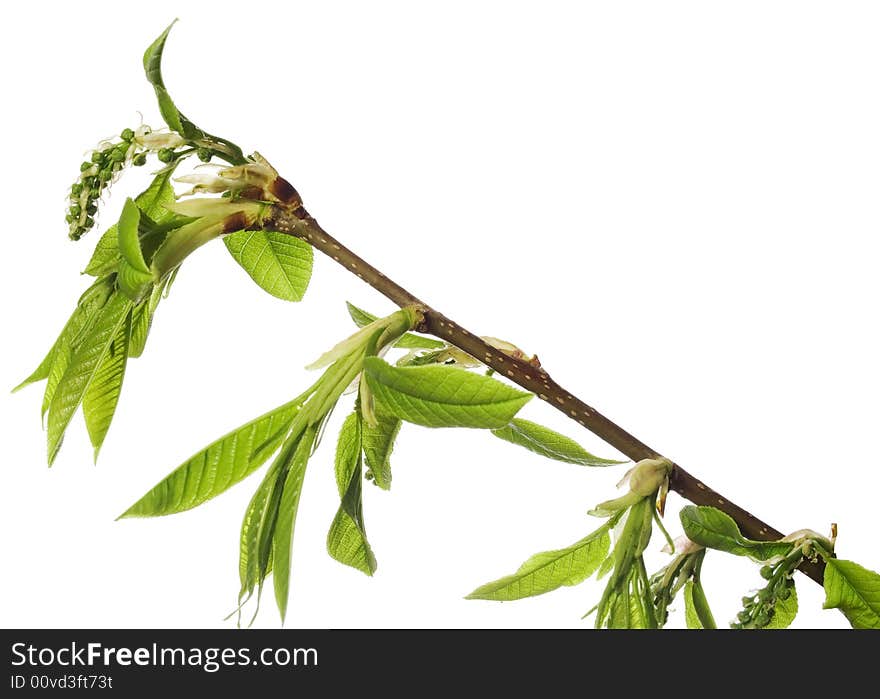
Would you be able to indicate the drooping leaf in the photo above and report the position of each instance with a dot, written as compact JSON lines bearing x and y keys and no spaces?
{"x":550,"y":570}
{"x":218,"y":466}
{"x":282,"y":538}
{"x":102,"y":394}
{"x":133,"y":274}
{"x":714,"y":529}
{"x":785,"y":610}
{"x":280,"y":264}
{"x":347,"y":538}
{"x":544,"y":441}
{"x":82,"y":367}
{"x":442,"y":396}
{"x":406,"y":341}
{"x":172,"y":115}
{"x":378,"y":443}
{"x":53,"y":365}
{"x":855,"y":591}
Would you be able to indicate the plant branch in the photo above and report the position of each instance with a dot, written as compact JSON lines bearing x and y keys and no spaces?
{"x":292,"y":218}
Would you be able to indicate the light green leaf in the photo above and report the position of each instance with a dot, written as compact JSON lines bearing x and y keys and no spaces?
{"x":713,"y":529}
{"x":82,"y":367}
{"x":550,"y":570}
{"x":172,"y":116}
{"x":282,"y":538}
{"x":280,"y":264}
{"x":102,"y":394}
{"x":129,"y":240}
{"x":442,"y":396}
{"x":55,"y":362}
{"x":218,"y":466}
{"x":785,"y":610}
{"x":348,"y":449}
{"x":252,"y":567}
{"x":691,"y":617}
{"x":151,"y":202}
{"x":378,"y":443}
{"x":697,"y":613}
{"x":544,"y":441}
{"x":406,"y":341}
{"x":347,"y":538}
{"x":855,"y":591}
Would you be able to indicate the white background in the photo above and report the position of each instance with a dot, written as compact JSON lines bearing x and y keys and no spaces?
{"x":674,"y":204}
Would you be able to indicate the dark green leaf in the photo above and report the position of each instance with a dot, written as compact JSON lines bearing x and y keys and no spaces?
{"x":218,"y":466}
{"x":550,"y":570}
{"x":406,"y":341}
{"x":280,"y":264}
{"x":544,"y":441}
{"x":713,"y":529}
{"x":442,"y":396}
{"x":853,"y":590}
{"x":282,"y":538}
{"x":378,"y":443}
{"x":102,"y":394}
{"x":82,"y":367}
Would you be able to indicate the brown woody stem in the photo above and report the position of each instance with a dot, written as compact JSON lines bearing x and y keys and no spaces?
{"x":293,"y":219}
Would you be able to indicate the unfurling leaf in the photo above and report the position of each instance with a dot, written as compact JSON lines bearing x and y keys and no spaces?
{"x":442,"y":396}
{"x":102,"y":394}
{"x":406,"y":341}
{"x":855,"y":591}
{"x":218,"y":466}
{"x":550,"y":570}
{"x":84,"y":362}
{"x":714,"y":529}
{"x":347,"y":538}
{"x":280,"y":264}
{"x":544,"y":441}
{"x":172,"y":115}
{"x":378,"y":443}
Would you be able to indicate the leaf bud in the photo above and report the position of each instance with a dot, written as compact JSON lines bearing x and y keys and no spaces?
{"x":139,"y":159}
{"x":766,"y":572}
{"x":165,"y":155}
{"x":126,"y":135}
{"x":205,"y":154}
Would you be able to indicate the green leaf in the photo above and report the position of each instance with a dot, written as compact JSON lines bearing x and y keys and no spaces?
{"x":544,"y":441}
{"x":280,"y":264}
{"x":550,"y":570}
{"x":713,"y":529}
{"x":406,"y":341}
{"x":347,"y":538}
{"x":55,"y":362}
{"x":83,"y":365}
{"x":853,"y":590}
{"x":102,"y":394}
{"x":282,"y":538}
{"x":442,"y":396}
{"x":253,"y":568}
{"x":172,"y":115}
{"x":151,"y":202}
{"x":785,"y":610}
{"x":691,"y":618}
{"x":697,"y":613}
{"x":378,"y":443}
{"x":129,"y":240}
{"x":218,"y":466}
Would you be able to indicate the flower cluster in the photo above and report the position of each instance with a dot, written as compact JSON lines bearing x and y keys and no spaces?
{"x":105,"y":164}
